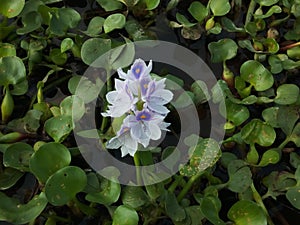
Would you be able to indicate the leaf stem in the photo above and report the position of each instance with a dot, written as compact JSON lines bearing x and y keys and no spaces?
{"x":250,"y":11}
{"x":188,"y":186}
{"x":260,"y":202}
{"x":108,"y":89}
{"x":284,"y":48}
{"x":137,"y":167}
{"x":175,"y":184}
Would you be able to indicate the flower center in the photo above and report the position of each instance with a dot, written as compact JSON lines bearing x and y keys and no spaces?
{"x":137,"y":71}
{"x":144,"y":116}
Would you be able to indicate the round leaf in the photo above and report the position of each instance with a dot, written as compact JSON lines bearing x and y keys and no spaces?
{"x":220,"y":7}
{"x":72,"y":106}
{"x":62,"y":20}
{"x":287,"y":94}
{"x":246,"y":212}
{"x":257,"y":75}
{"x":17,"y":156}
{"x":235,"y":113}
{"x":9,"y":178}
{"x":95,"y":26}
{"x":93,"y":48}
{"x":269,"y":157}
{"x":293,"y":195}
{"x":198,"y":11}
{"x":59,"y":127}
{"x":152,"y":4}
{"x":109,"y":193}
{"x":267,"y":2}
{"x":66,"y":44}
{"x":7,"y":49}
{"x":11,"y":8}
{"x":14,"y":212}
{"x":31,"y":21}
{"x":222,"y":50}
{"x":239,"y":176}
{"x":63,"y":185}
{"x":41,"y":165}
{"x":204,"y":155}
{"x":131,"y":217}
{"x":110,"y":5}
{"x":134,"y":197}
{"x":12,"y":70}
{"x":114,"y":21}
{"x":258,"y":132}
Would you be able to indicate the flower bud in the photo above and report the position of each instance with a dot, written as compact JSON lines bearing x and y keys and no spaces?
{"x":7,"y":106}
{"x":210,"y":23}
{"x":11,"y":137}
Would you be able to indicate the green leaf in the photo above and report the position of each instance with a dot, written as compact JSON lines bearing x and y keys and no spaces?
{"x":58,"y":57}
{"x":183,"y":100}
{"x":59,"y":127}
{"x":11,"y":8}
{"x":12,"y":70}
{"x":42,"y":167}
{"x":62,"y":20}
{"x":269,"y":157}
{"x":134,"y":197}
{"x":18,"y":155}
{"x":270,"y":12}
{"x":122,"y":56}
{"x":95,"y":26}
{"x":257,"y":75}
{"x":294,"y":159}
{"x":131,"y":218}
{"x":287,"y":94}
{"x":108,"y":193}
{"x":31,"y":22}
{"x":295,"y":136}
{"x":183,"y":20}
{"x":200,"y":90}
{"x":228,"y":25}
{"x":210,"y":207}
{"x":235,"y":113}
{"x":173,"y":83}
{"x":66,"y":45}
{"x":283,"y":117}
{"x":258,"y":132}
{"x":114,"y":21}
{"x":9,"y":177}
{"x":198,"y":11}
{"x":239,"y":176}
{"x":110,"y":5}
{"x":220,"y":7}
{"x":136,"y":30}
{"x":14,"y":212}
{"x":152,"y":4}
{"x":64,"y":184}
{"x":72,"y":106}
{"x":293,"y":195}
{"x":7,"y":49}
{"x":155,"y":190}
{"x":202,"y":156}
{"x":266,"y":2}
{"x":84,"y":88}
{"x":222,"y":50}
{"x":93,"y":48}
{"x":173,"y":209}
{"x":245,"y":212}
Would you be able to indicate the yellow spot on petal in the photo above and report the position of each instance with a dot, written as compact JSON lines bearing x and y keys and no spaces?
{"x":143,"y":116}
{"x":138,"y":70}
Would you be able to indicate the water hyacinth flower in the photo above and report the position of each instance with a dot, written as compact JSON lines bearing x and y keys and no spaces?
{"x":143,"y":100}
